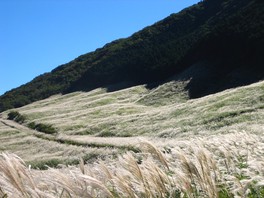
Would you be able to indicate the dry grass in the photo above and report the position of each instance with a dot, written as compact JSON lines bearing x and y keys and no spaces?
{"x":217,"y":166}
{"x":188,"y":148}
{"x":40,"y":151}
{"x":128,"y":112}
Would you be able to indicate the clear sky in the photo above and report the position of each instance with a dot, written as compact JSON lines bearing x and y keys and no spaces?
{"x":36,"y":36}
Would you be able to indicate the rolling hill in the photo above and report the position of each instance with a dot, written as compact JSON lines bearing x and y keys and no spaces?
{"x":217,"y":44}
{"x":101,"y":119}
{"x":198,"y":140}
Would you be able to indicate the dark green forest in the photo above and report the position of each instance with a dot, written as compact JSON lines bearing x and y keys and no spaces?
{"x":223,"y":38}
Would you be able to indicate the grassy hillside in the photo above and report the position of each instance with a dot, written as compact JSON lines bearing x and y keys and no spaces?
{"x":138,"y":111}
{"x":221,"y":40}
{"x":91,"y":118}
{"x":206,"y":147}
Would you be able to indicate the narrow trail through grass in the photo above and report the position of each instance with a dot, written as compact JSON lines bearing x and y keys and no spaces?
{"x":95,"y":142}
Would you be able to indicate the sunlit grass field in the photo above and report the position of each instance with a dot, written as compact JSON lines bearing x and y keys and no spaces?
{"x":137,"y":142}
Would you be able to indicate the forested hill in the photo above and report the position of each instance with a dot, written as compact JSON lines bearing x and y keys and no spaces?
{"x":218,"y":43}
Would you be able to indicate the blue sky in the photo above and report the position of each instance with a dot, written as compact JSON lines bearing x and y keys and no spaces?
{"x":36,"y":36}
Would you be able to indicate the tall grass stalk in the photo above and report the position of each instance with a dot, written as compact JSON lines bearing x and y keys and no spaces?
{"x":223,"y":168}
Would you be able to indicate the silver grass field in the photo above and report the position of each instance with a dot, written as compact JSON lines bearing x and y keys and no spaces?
{"x":137,"y":143}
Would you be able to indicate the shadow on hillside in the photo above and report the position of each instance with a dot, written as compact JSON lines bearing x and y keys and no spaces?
{"x":203,"y":78}
{"x":206,"y":78}
{"x":209,"y":78}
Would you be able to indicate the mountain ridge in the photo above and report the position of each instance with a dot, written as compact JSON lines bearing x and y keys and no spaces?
{"x":215,"y":33}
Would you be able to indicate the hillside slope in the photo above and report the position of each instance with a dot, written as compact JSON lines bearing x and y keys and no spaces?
{"x":218,"y":44}
{"x":136,"y":111}
{"x":223,"y":131}
{"x":98,"y":123}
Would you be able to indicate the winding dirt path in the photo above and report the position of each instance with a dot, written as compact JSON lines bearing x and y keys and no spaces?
{"x":78,"y":140}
